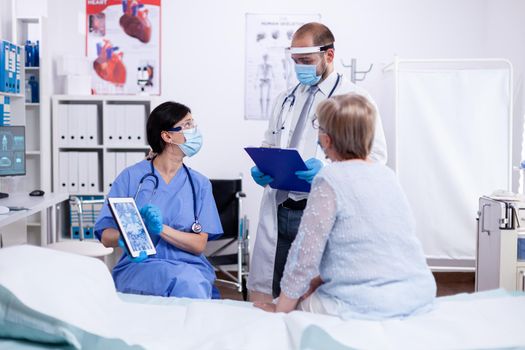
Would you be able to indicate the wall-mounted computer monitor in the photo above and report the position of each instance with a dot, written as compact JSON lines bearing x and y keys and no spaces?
{"x":12,"y":150}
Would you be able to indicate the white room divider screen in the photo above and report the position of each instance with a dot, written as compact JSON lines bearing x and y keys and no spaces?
{"x":453,"y":137}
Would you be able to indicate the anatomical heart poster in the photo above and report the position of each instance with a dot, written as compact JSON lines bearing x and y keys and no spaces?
{"x":123,"y":46}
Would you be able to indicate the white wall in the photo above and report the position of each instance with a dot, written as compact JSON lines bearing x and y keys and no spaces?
{"x":5,"y":19}
{"x":203,"y":55}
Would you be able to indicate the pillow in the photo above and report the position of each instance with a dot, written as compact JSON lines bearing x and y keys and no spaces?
{"x":36,"y":281}
{"x":20,"y":322}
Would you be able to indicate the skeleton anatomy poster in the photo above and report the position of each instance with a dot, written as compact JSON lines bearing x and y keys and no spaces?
{"x":123,"y":46}
{"x":269,"y":71}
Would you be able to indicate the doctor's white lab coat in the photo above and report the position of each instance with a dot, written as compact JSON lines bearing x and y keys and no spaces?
{"x":263,"y":258}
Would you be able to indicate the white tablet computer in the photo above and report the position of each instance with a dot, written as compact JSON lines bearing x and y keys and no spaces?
{"x":132,"y":228}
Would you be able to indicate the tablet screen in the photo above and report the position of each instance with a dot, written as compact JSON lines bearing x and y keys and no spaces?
{"x":131,"y":226}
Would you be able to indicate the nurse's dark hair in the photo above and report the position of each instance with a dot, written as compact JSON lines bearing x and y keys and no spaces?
{"x":163,"y":117}
{"x":320,"y":33}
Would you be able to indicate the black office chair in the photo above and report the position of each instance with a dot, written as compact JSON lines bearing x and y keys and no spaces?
{"x":228,"y":197}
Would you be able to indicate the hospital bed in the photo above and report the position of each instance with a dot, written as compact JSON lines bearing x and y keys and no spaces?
{"x":51,"y":299}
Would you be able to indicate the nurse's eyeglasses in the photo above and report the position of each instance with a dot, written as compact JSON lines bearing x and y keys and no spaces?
{"x":186,"y":125}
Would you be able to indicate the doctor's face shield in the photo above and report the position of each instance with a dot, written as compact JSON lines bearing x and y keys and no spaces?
{"x":307,"y":60}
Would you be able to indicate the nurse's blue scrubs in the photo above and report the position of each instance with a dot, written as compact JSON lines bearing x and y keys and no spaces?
{"x":172,"y":271}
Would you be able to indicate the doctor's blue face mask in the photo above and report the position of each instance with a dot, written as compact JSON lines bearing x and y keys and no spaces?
{"x":307,"y":74}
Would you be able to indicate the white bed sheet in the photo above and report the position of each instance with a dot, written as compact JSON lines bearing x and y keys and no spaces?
{"x":79,"y":291}
{"x":488,"y":320}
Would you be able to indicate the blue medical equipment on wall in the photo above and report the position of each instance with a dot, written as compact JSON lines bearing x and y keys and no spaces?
{"x":10,"y":61}
{"x":35,"y":90}
{"x":5,"y":110}
{"x":32,"y":90}
{"x":32,"y":54}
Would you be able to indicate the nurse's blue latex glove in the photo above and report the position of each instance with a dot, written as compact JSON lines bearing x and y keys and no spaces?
{"x":152,"y":218}
{"x":260,"y":178}
{"x":313,"y":165}
{"x":142,"y":255}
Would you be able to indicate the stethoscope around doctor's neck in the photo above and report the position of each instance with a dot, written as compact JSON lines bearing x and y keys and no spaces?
{"x":196,"y":227}
{"x":290,"y":99}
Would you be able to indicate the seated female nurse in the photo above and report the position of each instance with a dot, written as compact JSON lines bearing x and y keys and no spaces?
{"x":172,"y":199}
{"x":356,"y":254}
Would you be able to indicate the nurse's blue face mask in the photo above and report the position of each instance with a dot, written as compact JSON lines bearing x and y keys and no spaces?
{"x":193,"y":142}
{"x":193,"y":137}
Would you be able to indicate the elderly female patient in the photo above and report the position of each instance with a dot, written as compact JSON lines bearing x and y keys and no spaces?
{"x":356,"y":254}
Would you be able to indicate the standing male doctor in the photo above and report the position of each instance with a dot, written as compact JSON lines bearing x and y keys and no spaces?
{"x":290,"y":126}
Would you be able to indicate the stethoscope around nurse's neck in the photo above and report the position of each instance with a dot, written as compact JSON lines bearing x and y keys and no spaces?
{"x":290,"y":99}
{"x":196,"y":227}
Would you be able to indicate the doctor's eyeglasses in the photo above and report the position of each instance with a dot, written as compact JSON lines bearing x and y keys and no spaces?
{"x":186,"y":125}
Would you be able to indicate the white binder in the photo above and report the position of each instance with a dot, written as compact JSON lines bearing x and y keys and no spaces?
{"x":129,"y":123}
{"x":133,"y":158}
{"x":120,"y":163}
{"x":83,"y":168}
{"x":62,"y":114}
{"x":135,"y":115}
{"x":73,"y":126}
{"x":82,"y":125}
{"x":90,"y":121}
{"x":109,"y":169}
{"x":120,"y":127}
{"x":93,"y":176}
{"x":72,"y":174}
{"x":140,"y":125}
{"x":63,"y":176}
{"x":110,"y":125}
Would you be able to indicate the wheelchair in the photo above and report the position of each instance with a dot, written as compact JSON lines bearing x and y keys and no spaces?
{"x":228,"y":197}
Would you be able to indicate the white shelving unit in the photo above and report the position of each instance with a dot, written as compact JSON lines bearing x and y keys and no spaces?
{"x":104,"y":151}
{"x":88,"y":143}
{"x":38,"y":118}
{"x":10,"y":94}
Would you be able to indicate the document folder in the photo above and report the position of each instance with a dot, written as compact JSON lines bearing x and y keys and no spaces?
{"x":281,"y":164}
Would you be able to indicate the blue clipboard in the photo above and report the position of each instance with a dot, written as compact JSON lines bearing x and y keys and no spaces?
{"x":281,"y":164}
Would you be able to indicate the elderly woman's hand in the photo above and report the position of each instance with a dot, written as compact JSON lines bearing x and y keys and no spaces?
{"x":314,"y":284}
{"x":284,"y":304}
{"x":269,"y":307}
